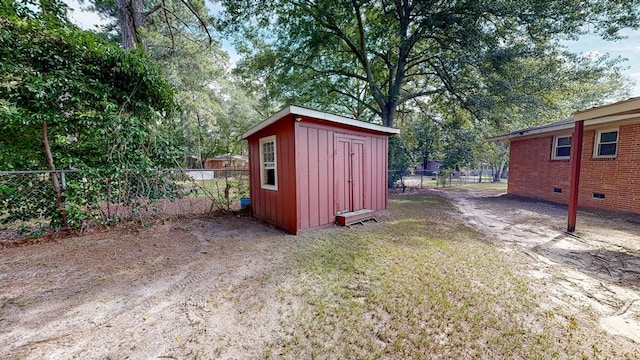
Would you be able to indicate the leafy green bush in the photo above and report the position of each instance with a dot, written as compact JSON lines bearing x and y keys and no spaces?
{"x":102,"y":108}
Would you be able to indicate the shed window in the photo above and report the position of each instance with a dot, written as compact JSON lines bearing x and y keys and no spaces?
{"x":561,"y":147}
{"x":268,"y":163}
{"x":606,"y":143}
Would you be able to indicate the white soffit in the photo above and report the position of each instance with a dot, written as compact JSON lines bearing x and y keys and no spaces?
{"x":626,"y":107}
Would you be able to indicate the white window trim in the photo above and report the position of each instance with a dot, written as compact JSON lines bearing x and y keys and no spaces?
{"x":596,"y":143}
{"x":555,"y":146}
{"x":264,"y":140}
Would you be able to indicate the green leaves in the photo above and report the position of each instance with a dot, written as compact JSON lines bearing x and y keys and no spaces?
{"x":106,"y":109}
{"x":75,"y":81}
{"x":314,"y":51}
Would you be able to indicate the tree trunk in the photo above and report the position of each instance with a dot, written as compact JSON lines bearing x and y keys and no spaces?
{"x":425,"y":161}
{"x":388,"y":113}
{"x":505,"y":170}
{"x":200,"y":140}
{"x":131,"y":18}
{"x":54,"y":178}
{"x":498,"y":173}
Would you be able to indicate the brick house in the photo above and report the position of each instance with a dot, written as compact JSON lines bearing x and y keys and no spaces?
{"x":228,"y":161}
{"x":606,"y":175}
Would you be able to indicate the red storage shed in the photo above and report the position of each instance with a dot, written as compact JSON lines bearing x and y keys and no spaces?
{"x":309,"y":168}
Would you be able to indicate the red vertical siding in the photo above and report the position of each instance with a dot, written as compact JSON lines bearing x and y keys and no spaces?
{"x":309,"y":160}
{"x":302,"y":165}
{"x":276,"y":207}
{"x":323,"y":166}
{"x":324,"y":160}
{"x":377,"y":177}
{"x":314,"y":181}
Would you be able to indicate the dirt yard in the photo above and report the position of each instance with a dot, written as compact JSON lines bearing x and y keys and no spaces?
{"x":234,"y":288}
{"x":597,"y":269}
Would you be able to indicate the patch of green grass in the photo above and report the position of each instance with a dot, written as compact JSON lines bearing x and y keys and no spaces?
{"x":419,"y":285}
{"x":501,"y":186}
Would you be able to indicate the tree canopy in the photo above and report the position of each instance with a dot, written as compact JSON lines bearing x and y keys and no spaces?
{"x":131,"y":17}
{"x":407,"y":49}
{"x":83,"y":87}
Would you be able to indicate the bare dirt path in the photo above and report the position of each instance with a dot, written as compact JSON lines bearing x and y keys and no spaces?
{"x":224,"y":288}
{"x":597,"y":270}
{"x":171,"y":291}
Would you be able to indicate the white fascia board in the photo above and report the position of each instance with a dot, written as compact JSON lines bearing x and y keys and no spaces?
{"x":342,"y":120}
{"x":270,"y":120}
{"x":608,"y":119}
{"x":297,"y":110}
{"x":550,"y":129}
{"x":625,"y":106}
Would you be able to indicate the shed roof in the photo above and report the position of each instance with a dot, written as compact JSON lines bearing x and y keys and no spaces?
{"x":332,"y":118}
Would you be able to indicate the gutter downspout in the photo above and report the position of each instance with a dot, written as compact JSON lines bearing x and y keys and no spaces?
{"x":576,"y":161}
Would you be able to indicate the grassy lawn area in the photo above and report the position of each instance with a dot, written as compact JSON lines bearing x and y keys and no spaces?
{"x":501,"y":186}
{"x":415,"y":181}
{"x":420,"y":285}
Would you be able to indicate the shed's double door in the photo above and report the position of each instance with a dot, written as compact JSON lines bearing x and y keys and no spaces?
{"x":349,"y":173}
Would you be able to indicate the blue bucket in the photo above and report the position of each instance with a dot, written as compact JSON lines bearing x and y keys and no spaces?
{"x":244,"y":202}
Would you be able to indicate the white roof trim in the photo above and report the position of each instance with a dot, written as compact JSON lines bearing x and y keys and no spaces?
{"x":293,"y":109}
{"x":524,"y":133}
{"x":608,"y":119}
{"x":603,"y":111}
{"x":556,"y":128}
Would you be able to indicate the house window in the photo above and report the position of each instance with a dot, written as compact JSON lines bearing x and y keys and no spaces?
{"x":268,"y":163}
{"x":606,"y":143}
{"x":561,"y":147}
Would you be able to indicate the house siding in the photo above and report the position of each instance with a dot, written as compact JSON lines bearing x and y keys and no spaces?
{"x":276,"y":207}
{"x":616,"y":178}
{"x":219,"y":164}
{"x":533,"y":174}
{"x":316,"y":163}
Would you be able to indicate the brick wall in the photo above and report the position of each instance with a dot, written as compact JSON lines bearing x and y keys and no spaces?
{"x":532,"y":173}
{"x":616,"y":178}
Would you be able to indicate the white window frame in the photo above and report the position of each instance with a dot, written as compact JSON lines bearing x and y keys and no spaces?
{"x":265,"y":166}
{"x":555,"y":147}
{"x":596,"y":143}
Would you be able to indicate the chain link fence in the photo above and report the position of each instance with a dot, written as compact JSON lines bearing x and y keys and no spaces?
{"x":28,"y":205}
{"x":420,"y":179}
